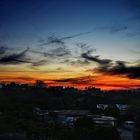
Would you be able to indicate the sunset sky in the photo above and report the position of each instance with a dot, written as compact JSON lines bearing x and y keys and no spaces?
{"x":80,"y":43}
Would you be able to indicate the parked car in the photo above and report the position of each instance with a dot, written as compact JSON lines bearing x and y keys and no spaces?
{"x":129,"y":125}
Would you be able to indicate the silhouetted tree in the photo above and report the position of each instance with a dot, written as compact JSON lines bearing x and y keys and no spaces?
{"x":40,"y":83}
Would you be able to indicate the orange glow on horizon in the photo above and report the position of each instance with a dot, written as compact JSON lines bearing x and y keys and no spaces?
{"x":105,"y":82}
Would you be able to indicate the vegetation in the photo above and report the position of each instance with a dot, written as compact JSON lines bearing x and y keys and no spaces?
{"x":17,"y":102}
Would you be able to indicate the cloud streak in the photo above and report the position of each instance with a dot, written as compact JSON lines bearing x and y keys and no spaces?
{"x":14,"y":58}
{"x":60,"y":41}
{"x":114,"y":28}
{"x":78,"y":80}
{"x":120,"y":68}
{"x":96,"y":59}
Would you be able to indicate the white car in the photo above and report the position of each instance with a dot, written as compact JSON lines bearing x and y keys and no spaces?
{"x":129,"y":125}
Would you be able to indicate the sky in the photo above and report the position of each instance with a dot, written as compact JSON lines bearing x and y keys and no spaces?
{"x":78,"y":43}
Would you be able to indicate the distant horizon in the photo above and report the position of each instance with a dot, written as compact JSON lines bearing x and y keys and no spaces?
{"x":33,"y":83}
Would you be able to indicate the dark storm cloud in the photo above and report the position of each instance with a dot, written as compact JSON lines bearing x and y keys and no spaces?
{"x":120,"y":68}
{"x":96,"y":59}
{"x":14,"y":58}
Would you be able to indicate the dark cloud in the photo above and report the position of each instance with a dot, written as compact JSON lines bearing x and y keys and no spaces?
{"x":76,"y":35}
{"x":60,"y":41}
{"x":45,"y":54}
{"x":80,"y":50}
{"x":60,"y":52}
{"x":53,"y":40}
{"x":96,"y":59}
{"x":118,"y":85}
{"x":85,"y":48}
{"x":39,"y":63}
{"x":120,"y":68}
{"x":78,"y":80}
{"x":76,"y":62}
{"x":19,"y":58}
{"x":80,"y":62}
{"x":82,"y":45}
{"x":14,"y":58}
{"x":27,"y":78}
